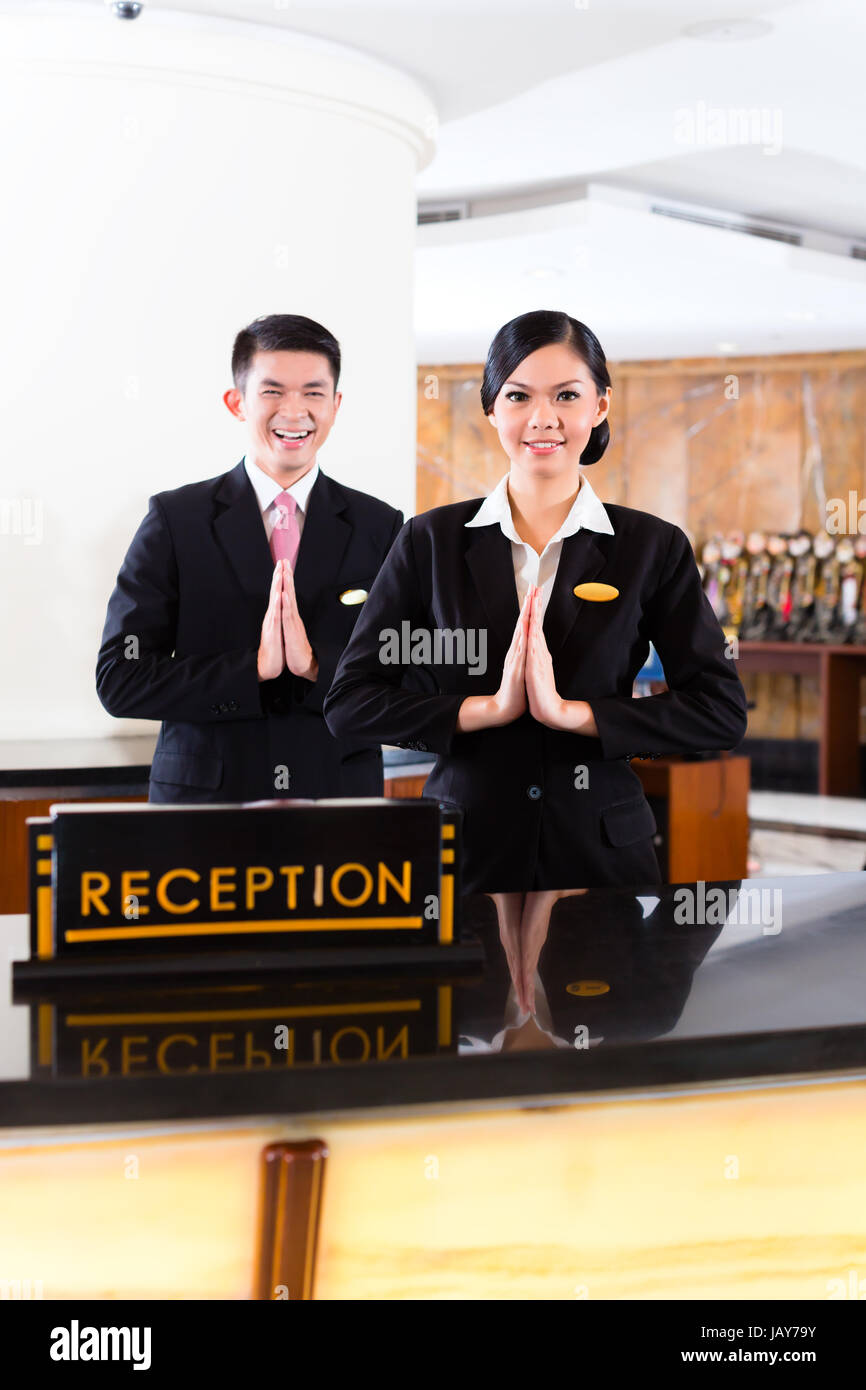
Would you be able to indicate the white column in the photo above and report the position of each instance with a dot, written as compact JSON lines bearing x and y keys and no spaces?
{"x":163,"y":182}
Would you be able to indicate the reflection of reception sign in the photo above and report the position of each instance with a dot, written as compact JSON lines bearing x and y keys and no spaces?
{"x":125,"y":880}
{"x":261,"y":1028}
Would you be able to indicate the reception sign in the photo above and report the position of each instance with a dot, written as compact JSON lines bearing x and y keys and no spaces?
{"x":127,"y":879}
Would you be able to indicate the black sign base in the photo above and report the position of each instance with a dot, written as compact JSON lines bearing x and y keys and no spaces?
{"x":36,"y":977}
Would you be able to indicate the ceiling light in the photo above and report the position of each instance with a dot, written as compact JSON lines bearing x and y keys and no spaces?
{"x":726,"y":347}
{"x":728,"y":30}
{"x":543,"y":272}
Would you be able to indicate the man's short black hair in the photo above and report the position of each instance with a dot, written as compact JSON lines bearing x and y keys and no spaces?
{"x":282,"y":333}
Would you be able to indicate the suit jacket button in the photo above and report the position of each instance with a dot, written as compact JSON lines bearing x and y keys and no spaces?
{"x":533,"y":792}
{"x":279,"y":703}
{"x":215,"y":708}
{"x":233,"y":705}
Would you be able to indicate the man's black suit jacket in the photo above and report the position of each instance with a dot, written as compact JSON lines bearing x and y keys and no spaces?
{"x":544,"y":808}
{"x":182,"y":633}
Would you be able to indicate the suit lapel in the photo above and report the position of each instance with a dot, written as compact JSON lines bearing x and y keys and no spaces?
{"x":583,"y":557}
{"x":492,"y":569}
{"x":323,"y":542}
{"x":240,"y":532}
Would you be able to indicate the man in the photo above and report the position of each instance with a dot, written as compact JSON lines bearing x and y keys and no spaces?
{"x":238,"y":595}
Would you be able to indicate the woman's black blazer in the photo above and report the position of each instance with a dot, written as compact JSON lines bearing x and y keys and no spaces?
{"x":543,"y":808}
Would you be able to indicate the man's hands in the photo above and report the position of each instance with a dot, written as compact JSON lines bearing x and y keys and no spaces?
{"x":284,"y":642}
{"x":527,"y":680}
{"x":299,"y":653}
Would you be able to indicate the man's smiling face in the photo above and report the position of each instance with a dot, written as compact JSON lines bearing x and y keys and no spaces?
{"x":288,"y":405}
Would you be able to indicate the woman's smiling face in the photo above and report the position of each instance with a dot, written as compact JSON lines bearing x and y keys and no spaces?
{"x":545,"y":411}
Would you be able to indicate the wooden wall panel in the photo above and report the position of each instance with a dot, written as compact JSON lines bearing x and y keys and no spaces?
{"x":650,"y":416}
{"x":459,"y":455}
{"x":795,"y":435}
{"x":840,"y":410}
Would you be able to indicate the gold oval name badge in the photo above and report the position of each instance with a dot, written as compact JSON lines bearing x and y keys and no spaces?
{"x":587,"y":988}
{"x":353,"y":596}
{"x":596,"y":593}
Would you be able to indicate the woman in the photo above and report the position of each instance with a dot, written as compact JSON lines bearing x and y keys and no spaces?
{"x":530,"y":614}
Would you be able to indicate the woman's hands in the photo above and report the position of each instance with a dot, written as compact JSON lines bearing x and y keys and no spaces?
{"x":544,"y":703}
{"x":524,"y":923}
{"x":527,"y":680}
{"x":509,"y":702}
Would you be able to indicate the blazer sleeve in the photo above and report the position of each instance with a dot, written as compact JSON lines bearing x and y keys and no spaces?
{"x":366,"y":698}
{"x":137,"y":674}
{"x":704,"y":707}
{"x":311,"y":694}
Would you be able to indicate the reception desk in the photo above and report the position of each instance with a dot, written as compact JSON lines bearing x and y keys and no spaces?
{"x":680,"y":1114}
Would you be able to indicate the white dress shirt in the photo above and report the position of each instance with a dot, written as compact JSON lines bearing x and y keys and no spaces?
{"x":530,"y":567}
{"x":267,"y":491}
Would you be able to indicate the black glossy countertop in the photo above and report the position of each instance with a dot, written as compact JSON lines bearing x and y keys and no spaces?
{"x":628,"y":996}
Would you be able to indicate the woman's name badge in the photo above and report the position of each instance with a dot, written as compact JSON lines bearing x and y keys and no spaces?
{"x":352,"y":596}
{"x":596,"y":593}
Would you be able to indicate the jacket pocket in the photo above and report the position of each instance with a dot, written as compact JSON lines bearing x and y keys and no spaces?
{"x":187,"y":769}
{"x":628,"y":821}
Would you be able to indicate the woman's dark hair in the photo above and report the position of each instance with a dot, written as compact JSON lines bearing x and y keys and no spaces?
{"x":529,"y":332}
{"x":282,"y":333}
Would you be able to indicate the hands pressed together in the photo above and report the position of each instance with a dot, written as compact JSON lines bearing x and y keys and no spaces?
{"x":284,"y":642}
{"x":524,"y":923}
{"x":527,"y":683}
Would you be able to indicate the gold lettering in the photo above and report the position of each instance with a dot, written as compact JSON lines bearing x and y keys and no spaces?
{"x":401,"y":1040}
{"x":318,"y":886}
{"x":258,"y":880}
{"x":292,"y":873}
{"x":217,"y":887}
{"x":362,"y":897}
{"x":94,"y":887}
{"x":335,"y":1045}
{"x":317,"y":1044}
{"x":250,"y":1052}
{"x":128,"y":888}
{"x":165,"y":901}
{"x":90,"y":1058}
{"x":166,"y":1043}
{"x":404,"y":888}
{"x":129,"y":1058}
{"x":215,"y":1055}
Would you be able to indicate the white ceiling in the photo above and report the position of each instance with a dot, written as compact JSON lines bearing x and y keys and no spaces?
{"x":648,"y":286}
{"x":539,"y":98}
{"x":470,"y":53}
{"x":805,"y":77}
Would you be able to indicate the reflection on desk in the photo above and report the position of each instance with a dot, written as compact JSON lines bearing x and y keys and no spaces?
{"x":618,"y":987}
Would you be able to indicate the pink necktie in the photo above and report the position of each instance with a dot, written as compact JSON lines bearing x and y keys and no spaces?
{"x":286,"y":535}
